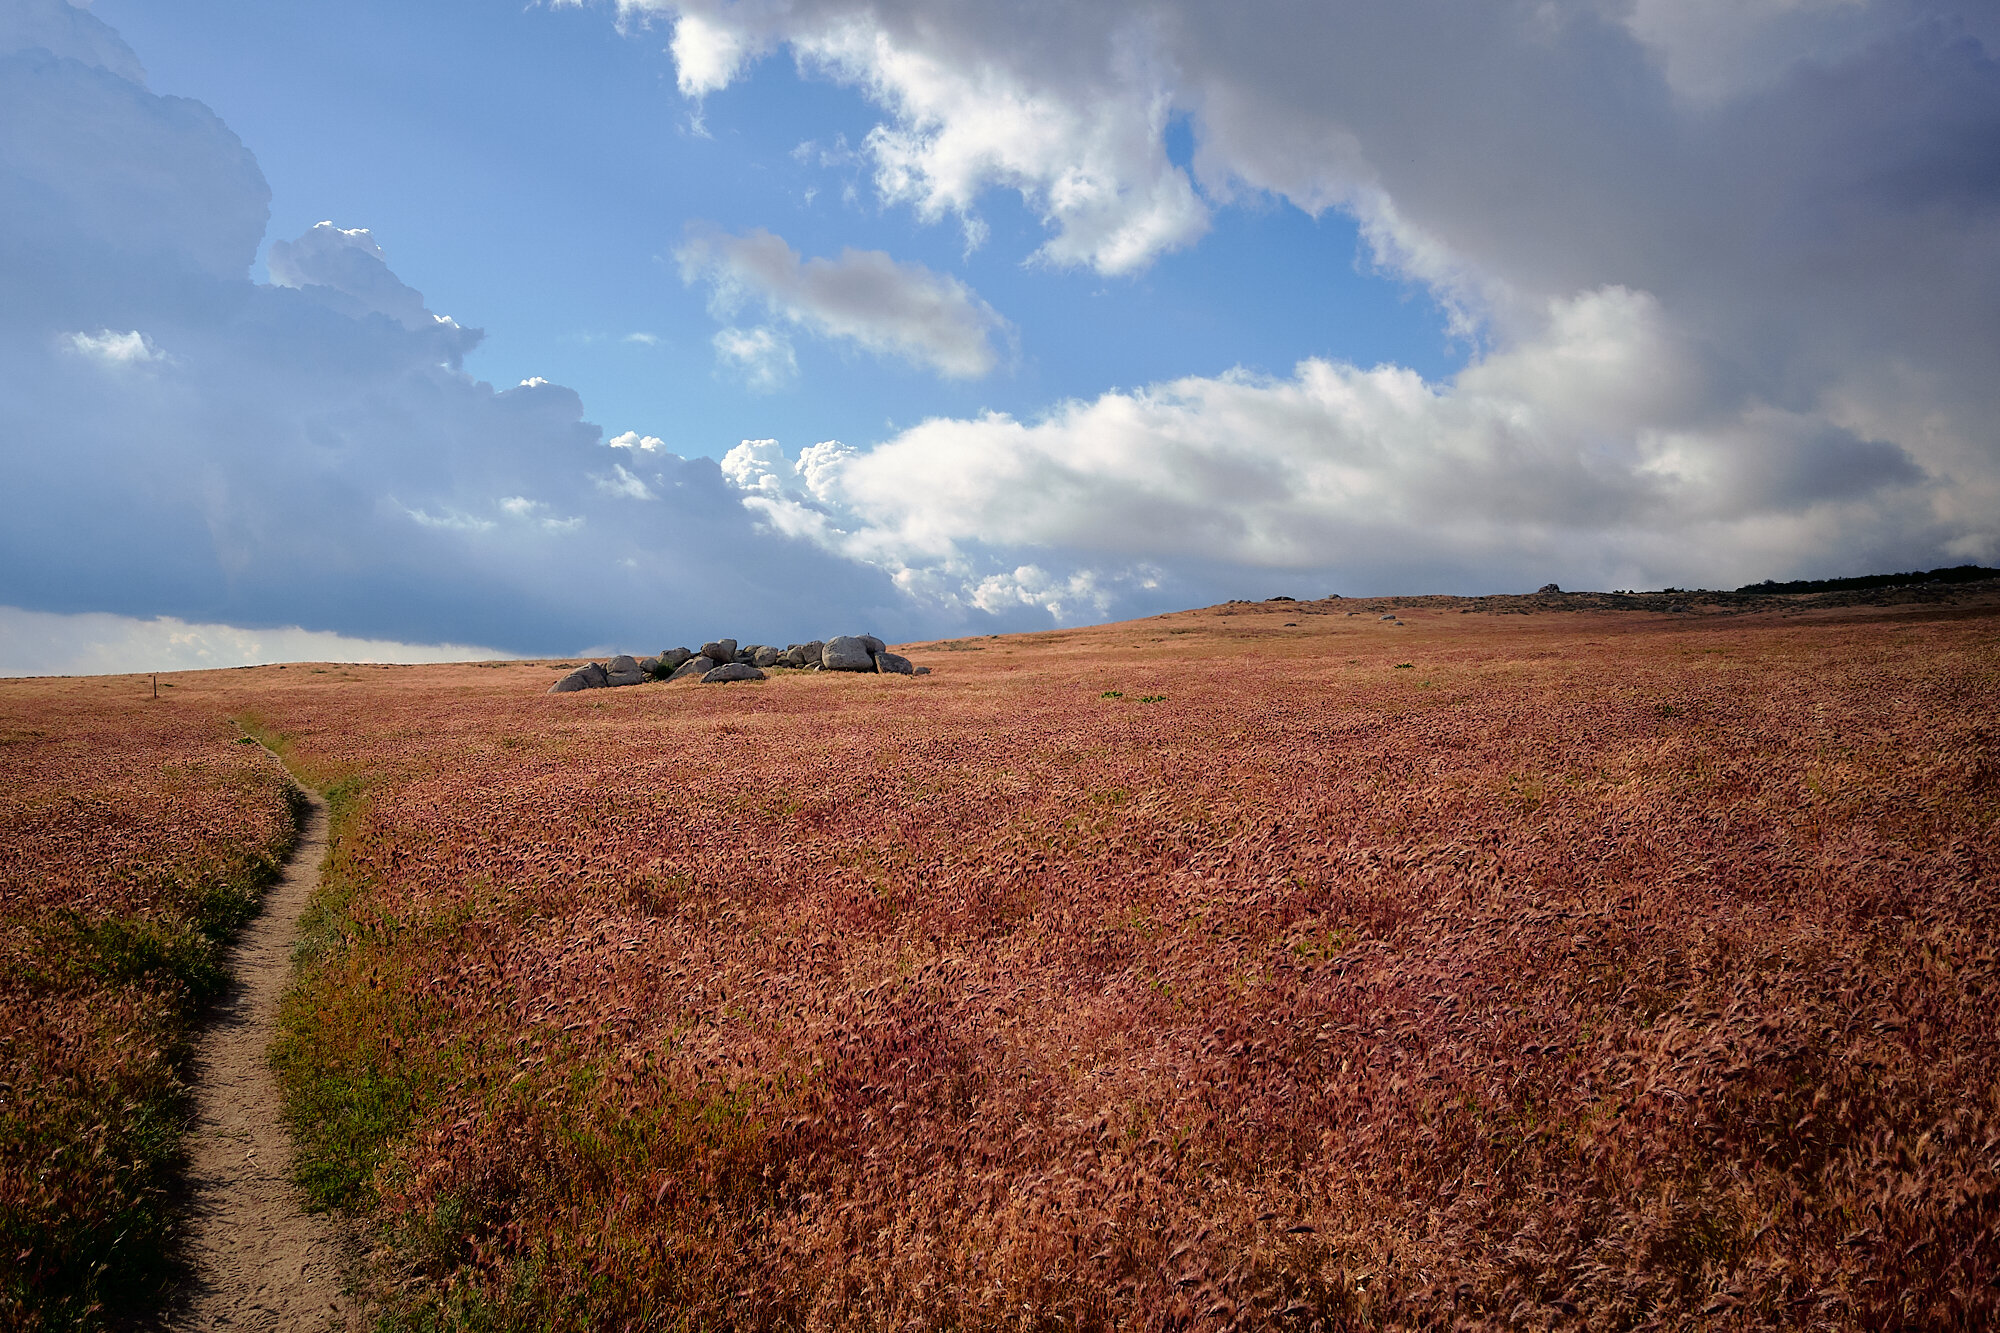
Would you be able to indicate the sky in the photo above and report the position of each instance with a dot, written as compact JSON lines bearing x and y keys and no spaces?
{"x":467,"y":328}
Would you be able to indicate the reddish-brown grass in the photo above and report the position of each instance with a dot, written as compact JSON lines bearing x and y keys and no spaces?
{"x":1597,"y":970}
{"x":133,"y":837}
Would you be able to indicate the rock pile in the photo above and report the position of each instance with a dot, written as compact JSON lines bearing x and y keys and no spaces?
{"x":723,"y":660}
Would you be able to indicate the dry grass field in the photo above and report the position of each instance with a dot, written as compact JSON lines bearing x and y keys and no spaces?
{"x":1266,"y":966}
{"x":134,"y":838}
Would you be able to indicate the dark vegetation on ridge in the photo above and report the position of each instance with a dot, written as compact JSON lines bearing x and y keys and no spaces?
{"x":1954,"y":574}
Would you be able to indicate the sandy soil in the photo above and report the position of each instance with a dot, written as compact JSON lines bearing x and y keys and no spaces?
{"x":260,"y":1261}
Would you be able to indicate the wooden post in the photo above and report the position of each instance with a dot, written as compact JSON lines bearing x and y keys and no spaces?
{"x":156,"y":684}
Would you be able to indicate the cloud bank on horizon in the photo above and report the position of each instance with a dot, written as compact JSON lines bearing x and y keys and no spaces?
{"x":1729,"y":275}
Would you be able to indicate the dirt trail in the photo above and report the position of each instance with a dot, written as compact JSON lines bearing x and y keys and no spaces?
{"x":260,"y":1261}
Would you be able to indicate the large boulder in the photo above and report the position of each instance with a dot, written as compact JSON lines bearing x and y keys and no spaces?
{"x":650,"y":665}
{"x":766,"y":655}
{"x":875,"y":645}
{"x":590,"y":677}
{"x":729,"y":671}
{"x":625,"y":670}
{"x":892,"y":664}
{"x":672,"y":659}
{"x":844,"y":652}
{"x":694,"y":666}
{"x":719,"y":650}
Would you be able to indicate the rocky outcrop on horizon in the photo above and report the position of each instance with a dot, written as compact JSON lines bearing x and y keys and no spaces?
{"x":723,"y":660}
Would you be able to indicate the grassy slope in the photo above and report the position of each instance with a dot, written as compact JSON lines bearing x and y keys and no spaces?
{"x":134,"y":838}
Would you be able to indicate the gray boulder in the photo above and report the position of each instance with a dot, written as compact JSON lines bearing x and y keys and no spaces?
{"x":694,"y":666}
{"x":891,"y":664}
{"x":844,"y":652}
{"x":920,"y":671}
{"x":794,"y":656}
{"x":719,"y":650}
{"x":624,"y":670}
{"x":875,"y":645}
{"x":650,"y":665}
{"x":674,"y":657}
{"x":590,"y":677}
{"x":729,"y":671}
{"x":766,"y":656}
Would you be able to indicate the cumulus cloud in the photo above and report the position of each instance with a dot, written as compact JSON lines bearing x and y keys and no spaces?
{"x":37,"y":643}
{"x":349,"y":271}
{"x":1339,"y":472}
{"x":313,"y":452}
{"x":1793,"y":201}
{"x":632,"y":439}
{"x":902,"y":310}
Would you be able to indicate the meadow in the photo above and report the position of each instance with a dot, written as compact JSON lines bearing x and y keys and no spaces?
{"x":1265,"y":966}
{"x":135,"y":837}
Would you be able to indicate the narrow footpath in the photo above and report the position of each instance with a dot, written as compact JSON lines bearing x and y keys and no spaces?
{"x":260,"y":1261}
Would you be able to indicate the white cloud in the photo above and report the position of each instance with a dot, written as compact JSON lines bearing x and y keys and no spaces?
{"x":763,"y":356}
{"x":40,"y":643}
{"x":632,"y":439}
{"x":115,"y":349}
{"x":761,"y":466}
{"x":451,"y":520}
{"x":1590,"y":450}
{"x":707,"y":54}
{"x":903,"y":310}
{"x":350,"y":263}
{"x":536,"y":512}
{"x":1080,"y":596}
{"x":624,"y":484}
{"x":1790,"y":201}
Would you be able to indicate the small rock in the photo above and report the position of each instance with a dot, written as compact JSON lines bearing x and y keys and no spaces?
{"x":719,"y":650}
{"x":920,"y":671}
{"x":844,"y":652}
{"x":892,"y":664}
{"x":694,"y":666}
{"x":589,"y":677}
{"x":732,"y":671}
{"x":1390,"y":616}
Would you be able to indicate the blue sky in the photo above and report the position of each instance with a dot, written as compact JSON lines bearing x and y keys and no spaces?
{"x":925,"y":318}
{"x":537,"y":180}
